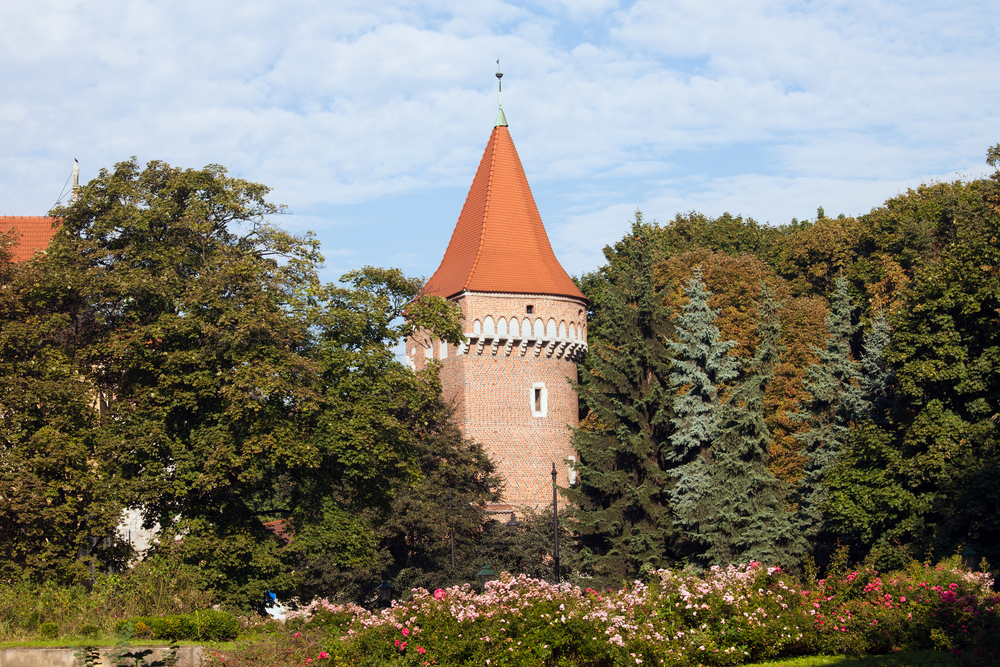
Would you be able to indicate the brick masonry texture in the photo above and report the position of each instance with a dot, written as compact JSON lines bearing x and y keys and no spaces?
{"x":493,"y":392}
{"x":525,"y":326}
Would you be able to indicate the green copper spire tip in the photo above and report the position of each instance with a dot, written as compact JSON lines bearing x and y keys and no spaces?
{"x":501,"y":119}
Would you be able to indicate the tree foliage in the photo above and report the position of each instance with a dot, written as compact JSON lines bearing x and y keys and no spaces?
{"x":701,"y":364}
{"x":925,"y":477}
{"x":620,"y":509}
{"x":233,"y":387}
{"x":743,"y":514}
{"x":836,"y":403}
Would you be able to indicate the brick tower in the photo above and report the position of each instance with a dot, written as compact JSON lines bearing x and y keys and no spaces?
{"x":525,"y":329}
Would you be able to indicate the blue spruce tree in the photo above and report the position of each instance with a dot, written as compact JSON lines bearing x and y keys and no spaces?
{"x":837,"y":402}
{"x":701,"y":363}
{"x":876,"y":374}
{"x":744,"y":516}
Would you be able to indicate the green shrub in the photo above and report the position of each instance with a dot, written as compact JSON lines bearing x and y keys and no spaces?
{"x":156,"y":586}
{"x":88,"y":630}
{"x":199,"y":625}
{"x":48,"y":630}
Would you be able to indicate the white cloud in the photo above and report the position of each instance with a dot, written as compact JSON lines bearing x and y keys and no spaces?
{"x":339,"y":105}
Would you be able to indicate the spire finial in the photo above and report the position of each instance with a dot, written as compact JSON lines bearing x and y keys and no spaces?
{"x":501,"y":119}
{"x":76,"y":182}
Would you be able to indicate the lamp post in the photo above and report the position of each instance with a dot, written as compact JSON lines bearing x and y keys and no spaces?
{"x":485,"y":576}
{"x":385,"y":593}
{"x":513,"y":524}
{"x":555,"y":524}
{"x":969,"y":558}
{"x":451,"y":529}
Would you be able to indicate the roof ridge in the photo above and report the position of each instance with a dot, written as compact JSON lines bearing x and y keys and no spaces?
{"x":486,"y":216}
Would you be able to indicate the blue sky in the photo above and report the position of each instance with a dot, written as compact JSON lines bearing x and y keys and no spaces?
{"x":369,"y":118}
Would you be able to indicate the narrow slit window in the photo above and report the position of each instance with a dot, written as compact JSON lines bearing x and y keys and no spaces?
{"x":539,"y":400}
{"x":530,"y":309}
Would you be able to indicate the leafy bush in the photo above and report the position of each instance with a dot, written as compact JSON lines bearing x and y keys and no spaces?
{"x":677,"y":618}
{"x":155,"y":586}
{"x":209,"y":624}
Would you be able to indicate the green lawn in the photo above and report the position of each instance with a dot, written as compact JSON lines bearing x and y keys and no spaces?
{"x":892,"y":660}
{"x":76,"y":642}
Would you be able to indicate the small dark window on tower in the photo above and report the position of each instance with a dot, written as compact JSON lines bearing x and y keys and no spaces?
{"x":530,"y":309}
{"x":538,"y":397}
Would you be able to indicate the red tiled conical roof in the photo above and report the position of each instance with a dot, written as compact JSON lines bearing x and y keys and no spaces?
{"x":499,"y":243}
{"x":32,"y":234}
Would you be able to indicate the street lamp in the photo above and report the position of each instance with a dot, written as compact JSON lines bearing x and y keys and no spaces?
{"x":513,"y":524}
{"x":451,"y":529}
{"x":555,"y":524}
{"x":969,"y":558}
{"x":385,"y":593}
{"x":485,"y":576}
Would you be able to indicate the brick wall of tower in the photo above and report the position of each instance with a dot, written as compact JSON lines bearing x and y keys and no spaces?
{"x":492,"y":387}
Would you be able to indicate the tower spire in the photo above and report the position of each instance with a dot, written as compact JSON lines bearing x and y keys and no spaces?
{"x":501,"y":119}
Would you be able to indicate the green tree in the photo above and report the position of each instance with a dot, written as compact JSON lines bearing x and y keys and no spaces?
{"x":620,"y":509}
{"x":946,"y":355}
{"x":735,"y":285}
{"x":732,"y":235}
{"x":743,"y":514}
{"x":925,"y":478}
{"x":197,"y":346}
{"x":876,"y":375}
{"x":58,"y":507}
{"x":702,"y":362}
{"x":834,"y":384}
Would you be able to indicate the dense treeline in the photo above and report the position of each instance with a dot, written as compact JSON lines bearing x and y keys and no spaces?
{"x":174,"y":353}
{"x":766,"y":392}
{"x":751,"y":392}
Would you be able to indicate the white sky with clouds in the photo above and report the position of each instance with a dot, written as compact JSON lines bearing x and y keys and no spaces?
{"x":369,"y":118}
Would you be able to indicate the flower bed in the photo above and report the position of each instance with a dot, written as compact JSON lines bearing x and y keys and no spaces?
{"x":721,"y":617}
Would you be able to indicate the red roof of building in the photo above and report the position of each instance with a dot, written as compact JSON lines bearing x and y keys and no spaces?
{"x":32,"y":234}
{"x":499,"y":243}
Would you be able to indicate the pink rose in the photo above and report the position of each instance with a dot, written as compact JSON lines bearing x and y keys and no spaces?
{"x":406,"y":632}
{"x":439,"y":594}
{"x":421,"y":650}
{"x":323,"y":655}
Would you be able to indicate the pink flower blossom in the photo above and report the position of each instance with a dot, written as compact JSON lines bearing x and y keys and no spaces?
{"x":421,"y":650}
{"x":406,"y":632}
{"x":323,"y":655}
{"x":439,"y":594}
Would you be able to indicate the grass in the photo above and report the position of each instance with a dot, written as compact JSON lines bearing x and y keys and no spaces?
{"x":914,"y":659}
{"x":76,"y":642}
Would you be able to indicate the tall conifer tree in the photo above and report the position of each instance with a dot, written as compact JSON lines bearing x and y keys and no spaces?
{"x":744,"y":515}
{"x":876,"y":374}
{"x":702,"y":362}
{"x":620,"y":508}
{"x":835,"y":385}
